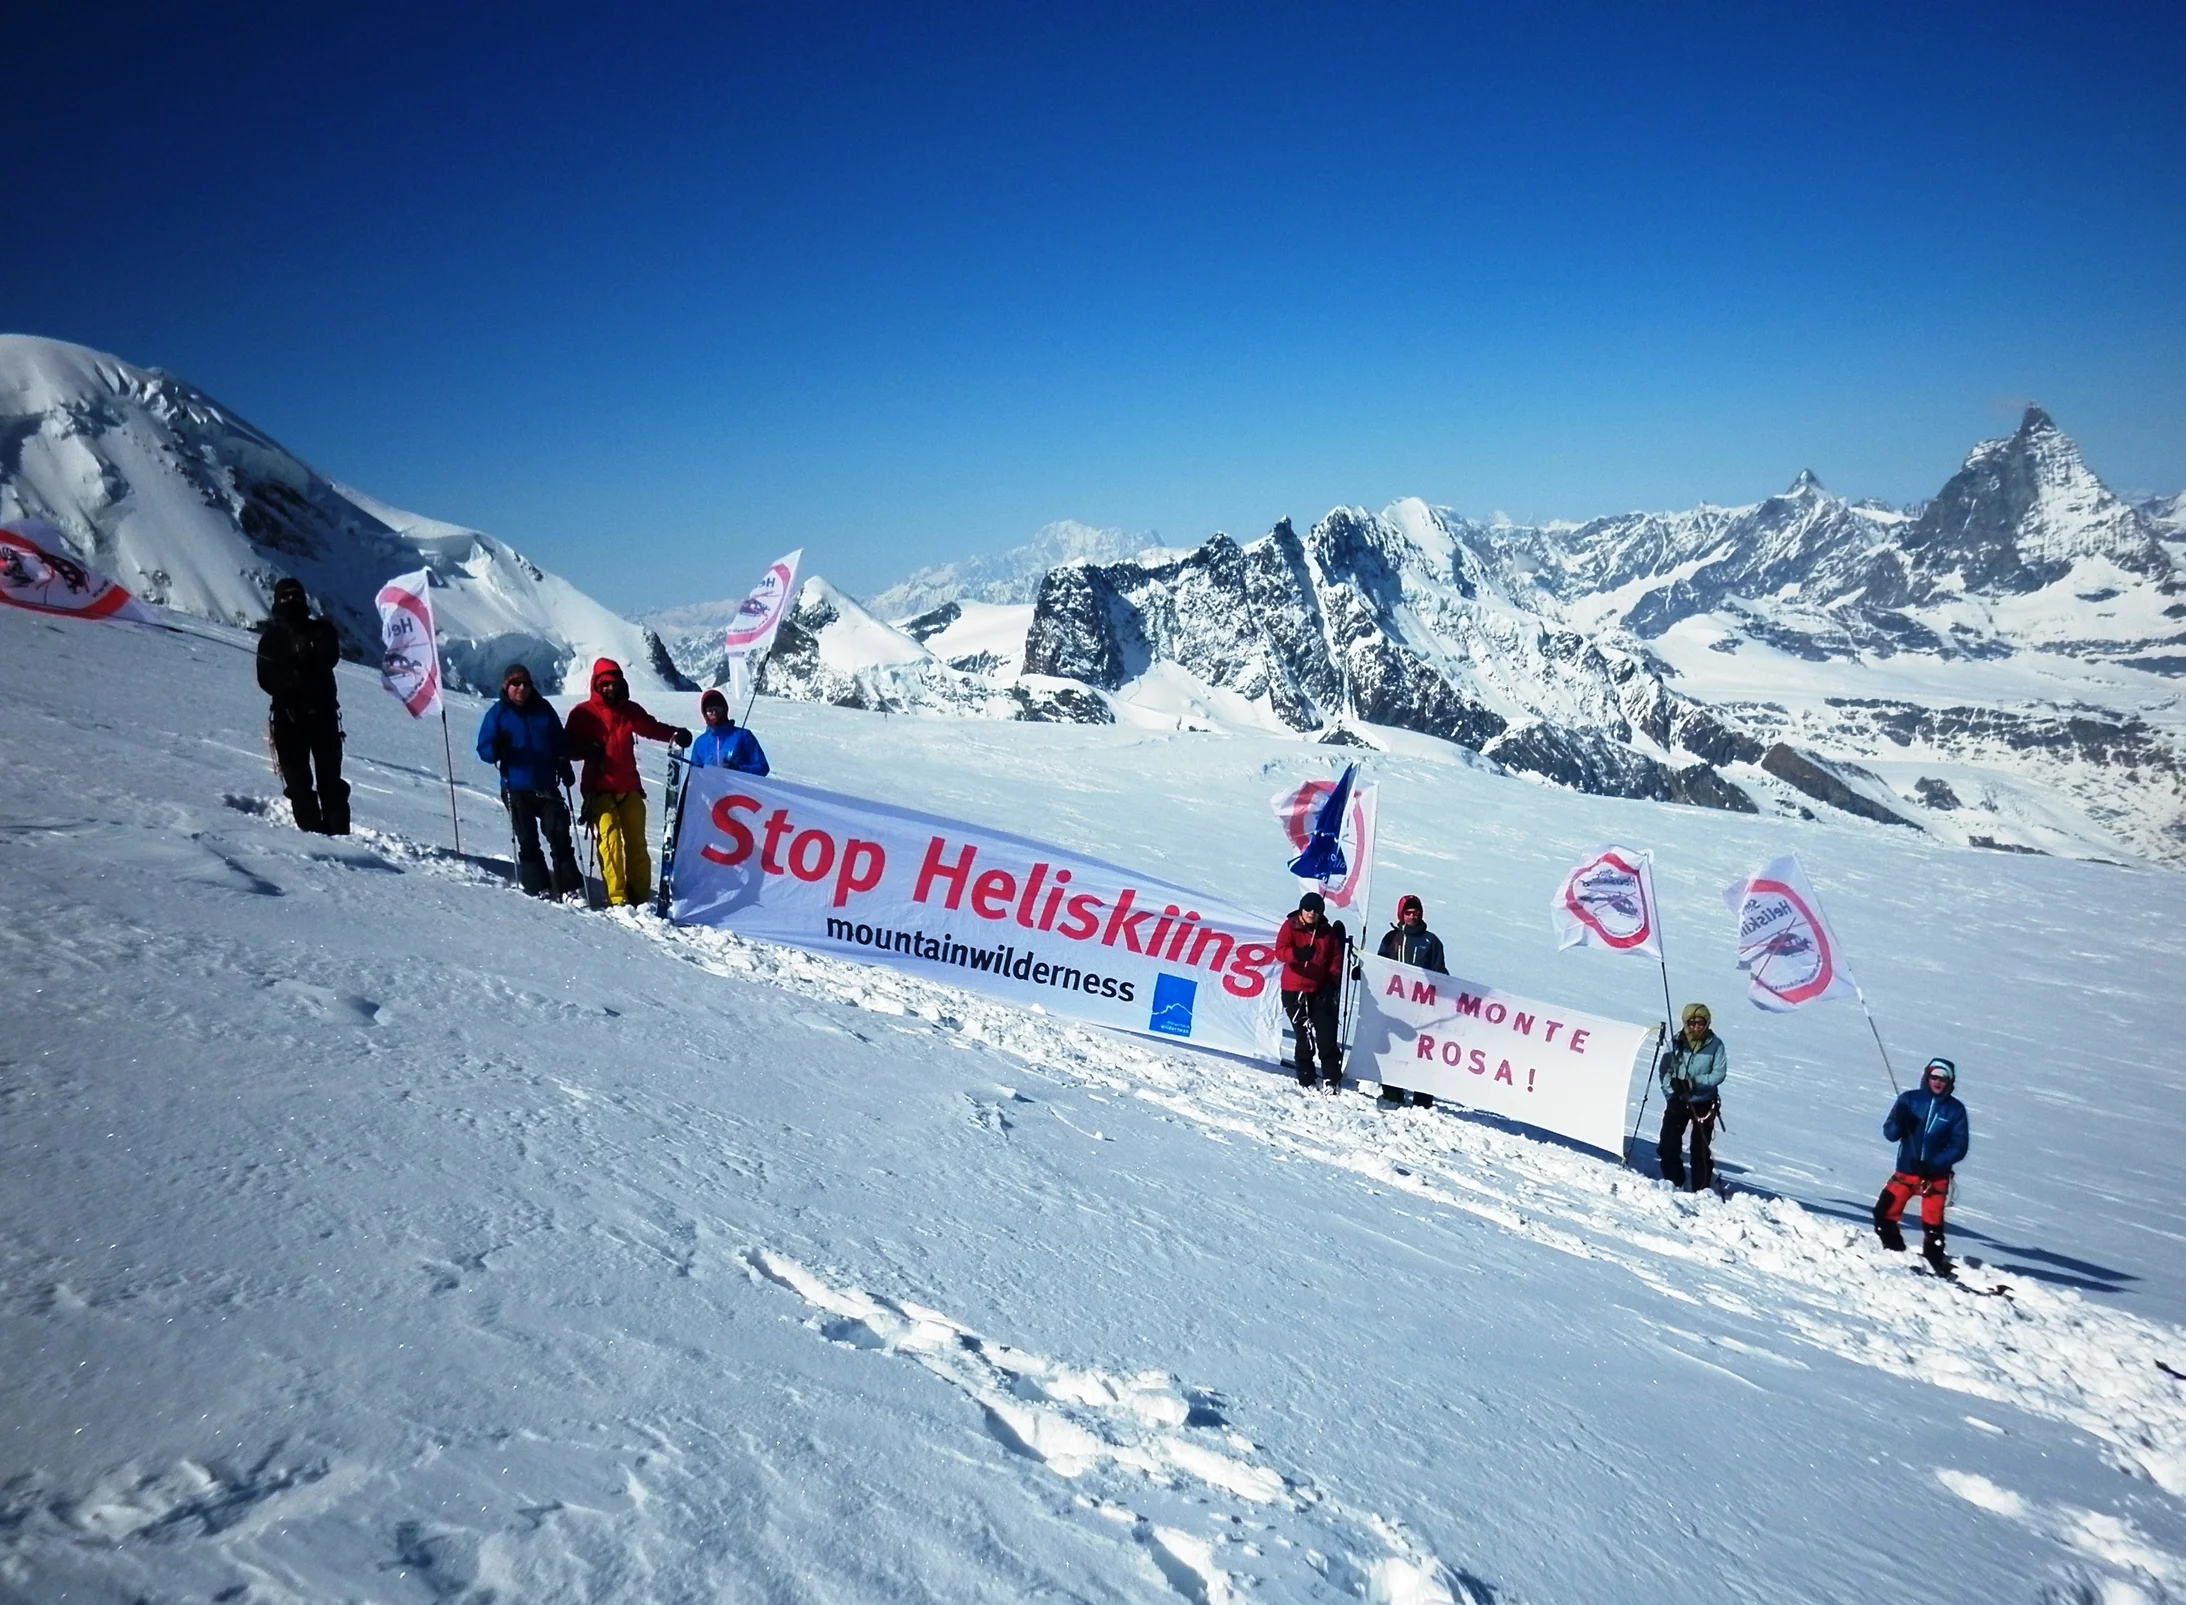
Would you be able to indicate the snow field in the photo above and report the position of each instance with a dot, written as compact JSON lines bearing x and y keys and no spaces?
{"x":370,"y":1232}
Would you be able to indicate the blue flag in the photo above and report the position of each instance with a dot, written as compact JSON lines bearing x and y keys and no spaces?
{"x":1323,"y":858}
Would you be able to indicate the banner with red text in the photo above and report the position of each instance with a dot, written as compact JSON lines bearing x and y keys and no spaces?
{"x":1559,"y":1069}
{"x":1028,"y":923}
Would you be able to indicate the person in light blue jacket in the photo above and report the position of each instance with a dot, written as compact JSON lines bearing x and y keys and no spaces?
{"x":1930,"y":1127}
{"x":1692,"y":1078}
{"x":721,"y":745}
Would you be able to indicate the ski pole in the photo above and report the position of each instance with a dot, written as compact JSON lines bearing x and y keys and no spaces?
{"x":1879,"y":1048}
{"x":516,"y":846}
{"x":1653,"y":1060}
{"x":448,"y":753}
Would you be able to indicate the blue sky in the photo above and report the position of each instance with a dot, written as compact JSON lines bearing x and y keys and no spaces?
{"x":656,"y":294}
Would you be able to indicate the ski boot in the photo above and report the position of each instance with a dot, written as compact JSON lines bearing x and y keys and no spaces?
{"x":1886,"y":1228}
{"x":1931,"y":1250}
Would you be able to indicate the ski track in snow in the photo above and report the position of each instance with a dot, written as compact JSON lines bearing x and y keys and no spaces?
{"x":2110,"y":1374}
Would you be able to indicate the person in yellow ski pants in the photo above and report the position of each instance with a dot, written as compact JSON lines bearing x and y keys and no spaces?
{"x":618,"y":820}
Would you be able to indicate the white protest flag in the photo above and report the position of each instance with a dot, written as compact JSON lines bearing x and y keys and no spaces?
{"x":1609,"y":899}
{"x":1785,"y":946}
{"x":409,"y":650}
{"x":1297,"y":809}
{"x":1038,"y":926}
{"x":758,"y":616}
{"x":38,"y":575}
{"x":1544,"y":1066}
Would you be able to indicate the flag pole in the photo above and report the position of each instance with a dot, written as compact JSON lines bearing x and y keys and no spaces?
{"x":448,"y":752}
{"x":1887,"y":1068}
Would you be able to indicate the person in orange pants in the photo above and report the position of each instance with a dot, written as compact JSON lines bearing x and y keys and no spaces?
{"x":1930,"y":1127}
{"x":603,"y":731}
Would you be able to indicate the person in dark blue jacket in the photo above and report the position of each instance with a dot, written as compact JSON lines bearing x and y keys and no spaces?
{"x":1929,"y":1126}
{"x":521,"y":734}
{"x":721,"y":745}
{"x":1410,"y":942}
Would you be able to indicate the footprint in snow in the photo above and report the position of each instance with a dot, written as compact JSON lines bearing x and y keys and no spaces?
{"x":323,"y":1002}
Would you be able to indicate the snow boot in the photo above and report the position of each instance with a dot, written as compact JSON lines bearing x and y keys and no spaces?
{"x":1426,"y":1100}
{"x":1306,"y":1079}
{"x":1885,"y":1227}
{"x":1931,"y":1249}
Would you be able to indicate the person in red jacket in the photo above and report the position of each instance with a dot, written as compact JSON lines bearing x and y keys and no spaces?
{"x":603,"y":731}
{"x":1312,"y":956}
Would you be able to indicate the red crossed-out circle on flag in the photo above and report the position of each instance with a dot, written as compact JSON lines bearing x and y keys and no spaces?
{"x":50,"y":582}
{"x":1787,"y":954}
{"x":760,"y":612}
{"x":1607,"y":896}
{"x":1305,"y":805}
{"x":412,"y":675}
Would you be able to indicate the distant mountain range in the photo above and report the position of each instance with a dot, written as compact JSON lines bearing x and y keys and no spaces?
{"x":1998,"y":666}
{"x":159,"y":486}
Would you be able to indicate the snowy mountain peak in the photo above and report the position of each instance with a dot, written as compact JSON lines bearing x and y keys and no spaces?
{"x":2035,"y":421}
{"x":193,"y":509}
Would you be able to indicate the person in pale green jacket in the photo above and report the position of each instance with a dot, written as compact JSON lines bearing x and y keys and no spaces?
{"x":1692,"y":1076}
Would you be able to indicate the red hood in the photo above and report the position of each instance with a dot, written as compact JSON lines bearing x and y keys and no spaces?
{"x":601,"y":668}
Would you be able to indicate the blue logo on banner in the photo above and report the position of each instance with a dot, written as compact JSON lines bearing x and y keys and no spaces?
{"x":1173,"y":998}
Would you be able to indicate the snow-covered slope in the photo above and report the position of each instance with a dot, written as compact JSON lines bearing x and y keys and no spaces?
{"x":1996,"y":667}
{"x":192,"y":508}
{"x":368,"y":1232}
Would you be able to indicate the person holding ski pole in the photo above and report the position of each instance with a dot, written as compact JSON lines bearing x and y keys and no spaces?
{"x":296,"y":658}
{"x":1312,"y":956}
{"x":1410,"y":942}
{"x":522,"y":736}
{"x":603,"y":731}
{"x":1930,"y":1127}
{"x":1692,"y":1073}
{"x":721,"y":745}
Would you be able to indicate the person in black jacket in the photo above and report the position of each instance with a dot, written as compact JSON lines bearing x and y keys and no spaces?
{"x":296,"y":658}
{"x":1410,"y":942}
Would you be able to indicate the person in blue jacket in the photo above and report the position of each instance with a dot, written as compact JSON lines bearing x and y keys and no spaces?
{"x":1692,"y":1079}
{"x":1930,"y":1127}
{"x":721,"y":745}
{"x":521,"y":735}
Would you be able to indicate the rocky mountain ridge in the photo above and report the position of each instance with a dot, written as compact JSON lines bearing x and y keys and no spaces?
{"x":1995,"y":666}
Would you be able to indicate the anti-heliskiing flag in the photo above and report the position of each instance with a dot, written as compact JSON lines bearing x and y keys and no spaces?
{"x":1300,"y":811}
{"x":751,"y":632}
{"x":38,"y":575}
{"x":1323,"y":858}
{"x":409,"y":649}
{"x":1785,"y":946}
{"x":1608,"y":900}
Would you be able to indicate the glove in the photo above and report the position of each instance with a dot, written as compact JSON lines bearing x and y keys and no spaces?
{"x":683,"y":737}
{"x":500,"y":747}
{"x":569,"y":775}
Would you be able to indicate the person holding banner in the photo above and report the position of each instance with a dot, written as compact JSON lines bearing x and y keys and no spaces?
{"x":296,"y":658}
{"x":603,"y":731}
{"x":1312,"y":958}
{"x":1930,"y":1127}
{"x":1692,"y":1077}
{"x":1410,"y":942}
{"x":522,"y":735}
{"x":721,"y":745}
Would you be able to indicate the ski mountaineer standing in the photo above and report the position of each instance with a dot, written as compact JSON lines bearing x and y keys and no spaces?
{"x":1410,"y":942}
{"x":1312,"y":956}
{"x":296,"y":658}
{"x":722,"y":745}
{"x":603,"y":730}
{"x":1692,"y":1076}
{"x":522,"y":735}
{"x":1930,"y":1127}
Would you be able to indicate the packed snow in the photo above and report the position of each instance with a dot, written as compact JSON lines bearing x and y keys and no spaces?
{"x":372,"y":1232}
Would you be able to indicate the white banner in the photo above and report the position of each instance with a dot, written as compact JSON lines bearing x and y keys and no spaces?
{"x":1785,"y":945}
{"x":1297,"y":808}
{"x":1535,"y":1063}
{"x":1038,"y":926}
{"x":37,"y":573}
{"x":1609,"y":899}
{"x":409,"y":650}
{"x":760,"y":614}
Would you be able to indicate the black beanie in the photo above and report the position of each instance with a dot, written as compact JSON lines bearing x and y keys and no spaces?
{"x":1313,"y":901}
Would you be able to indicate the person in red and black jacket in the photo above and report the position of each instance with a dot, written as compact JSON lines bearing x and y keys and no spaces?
{"x":603,"y":731}
{"x":1312,"y":955}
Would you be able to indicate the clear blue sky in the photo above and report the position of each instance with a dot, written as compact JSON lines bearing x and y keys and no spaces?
{"x":655,"y":295}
